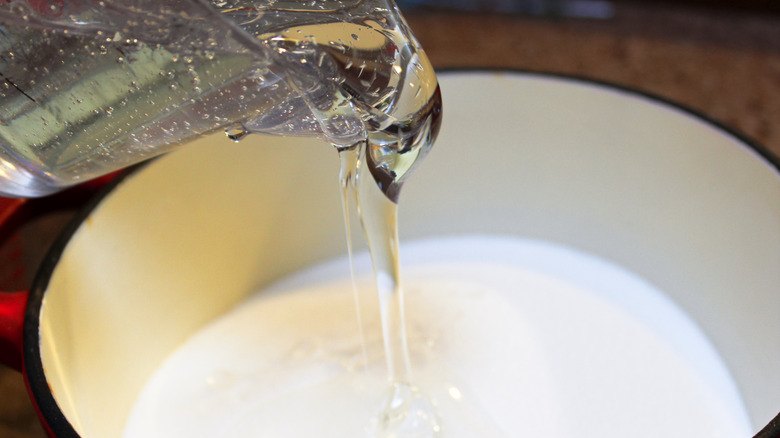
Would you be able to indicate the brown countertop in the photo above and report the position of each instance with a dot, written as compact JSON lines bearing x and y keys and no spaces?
{"x":723,"y":65}
{"x":726,"y":66}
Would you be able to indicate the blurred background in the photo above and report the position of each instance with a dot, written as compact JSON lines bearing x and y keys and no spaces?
{"x":719,"y":58}
{"x":582,"y":7}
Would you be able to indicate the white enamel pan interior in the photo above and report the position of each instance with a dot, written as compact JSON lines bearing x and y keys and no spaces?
{"x":666,"y":194}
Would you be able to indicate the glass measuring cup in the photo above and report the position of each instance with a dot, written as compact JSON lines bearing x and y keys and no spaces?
{"x":89,"y":87}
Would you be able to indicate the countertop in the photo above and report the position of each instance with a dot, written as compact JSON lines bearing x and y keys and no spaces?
{"x":725,"y":65}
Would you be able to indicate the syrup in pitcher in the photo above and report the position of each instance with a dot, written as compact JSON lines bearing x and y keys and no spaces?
{"x":91,"y":87}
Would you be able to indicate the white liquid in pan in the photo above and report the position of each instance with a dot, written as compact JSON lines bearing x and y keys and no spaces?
{"x":508,"y":338}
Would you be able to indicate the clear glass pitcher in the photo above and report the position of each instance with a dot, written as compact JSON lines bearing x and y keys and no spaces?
{"x":91,"y":86}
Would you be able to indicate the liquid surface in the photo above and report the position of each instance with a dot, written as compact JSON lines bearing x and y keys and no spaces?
{"x":507,"y":337}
